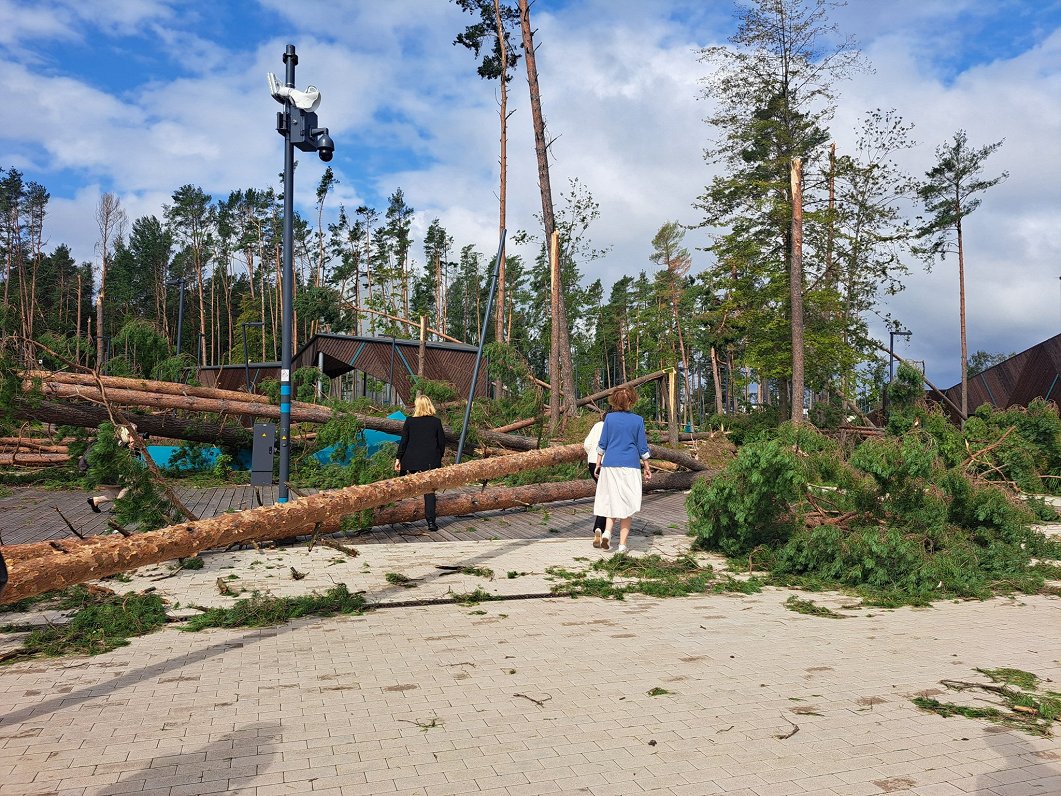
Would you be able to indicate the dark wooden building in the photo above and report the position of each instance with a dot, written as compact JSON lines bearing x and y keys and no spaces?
{"x":389,"y":360}
{"x":1033,"y":373}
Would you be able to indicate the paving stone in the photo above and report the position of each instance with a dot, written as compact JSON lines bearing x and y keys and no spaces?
{"x":420,"y":700}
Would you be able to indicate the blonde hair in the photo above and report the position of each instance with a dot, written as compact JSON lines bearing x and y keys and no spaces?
{"x":423,"y":406}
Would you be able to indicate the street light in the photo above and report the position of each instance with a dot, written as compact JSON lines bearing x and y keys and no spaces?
{"x":297,"y":123}
{"x":891,"y":362}
{"x":246,"y":355}
{"x":180,"y":310}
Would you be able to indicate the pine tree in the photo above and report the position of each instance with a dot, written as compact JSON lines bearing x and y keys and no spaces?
{"x":950,"y":194}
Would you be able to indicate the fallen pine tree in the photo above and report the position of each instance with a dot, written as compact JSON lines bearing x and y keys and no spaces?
{"x":90,"y":415}
{"x":76,"y":561}
{"x":496,"y":498}
{"x":227,"y":402}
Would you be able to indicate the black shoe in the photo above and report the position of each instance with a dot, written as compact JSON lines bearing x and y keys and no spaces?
{"x":92,"y":505}
{"x":432,"y":527}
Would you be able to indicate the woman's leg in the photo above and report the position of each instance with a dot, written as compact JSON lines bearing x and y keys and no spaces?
{"x":624,"y":531}
{"x":598,"y":522}
{"x":429,"y":510}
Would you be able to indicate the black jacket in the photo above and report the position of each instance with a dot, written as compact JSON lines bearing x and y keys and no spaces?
{"x":423,"y":443}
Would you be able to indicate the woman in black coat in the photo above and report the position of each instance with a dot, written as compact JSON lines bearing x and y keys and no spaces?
{"x":422,"y":445}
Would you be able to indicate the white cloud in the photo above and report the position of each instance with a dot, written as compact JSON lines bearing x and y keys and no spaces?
{"x":620,"y":87}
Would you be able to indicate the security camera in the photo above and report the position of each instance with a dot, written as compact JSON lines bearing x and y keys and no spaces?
{"x":325,"y":145}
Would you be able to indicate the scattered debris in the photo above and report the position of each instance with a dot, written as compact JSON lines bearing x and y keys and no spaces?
{"x":539,"y":702}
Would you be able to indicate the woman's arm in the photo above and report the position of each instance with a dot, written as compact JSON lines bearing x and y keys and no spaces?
{"x":402,"y":445}
{"x":642,"y":447}
{"x":440,"y":439}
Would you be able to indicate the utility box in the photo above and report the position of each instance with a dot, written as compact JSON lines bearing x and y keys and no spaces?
{"x":262,"y":454}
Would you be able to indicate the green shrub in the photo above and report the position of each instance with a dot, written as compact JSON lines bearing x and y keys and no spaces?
{"x":750,"y":503}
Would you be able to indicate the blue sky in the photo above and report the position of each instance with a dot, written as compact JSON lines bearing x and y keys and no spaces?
{"x":141,"y":96}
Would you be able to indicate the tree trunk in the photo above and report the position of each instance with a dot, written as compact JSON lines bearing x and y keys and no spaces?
{"x":961,"y":309}
{"x":796,"y":290}
{"x":566,"y":377}
{"x":423,"y":347}
{"x":494,"y":499}
{"x":33,"y":459}
{"x":530,"y":421}
{"x":554,"y":333}
{"x":77,"y":353}
{"x":717,"y":377}
{"x":672,"y":408}
{"x":69,"y":562}
{"x":499,"y":324}
{"x":74,"y":413}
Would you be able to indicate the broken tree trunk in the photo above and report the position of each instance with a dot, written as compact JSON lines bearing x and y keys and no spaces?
{"x":530,"y":421}
{"x":300,"y":413}
{"x":71,"y":562}
{"x":73,"y":413}
{"x":508,"y":497}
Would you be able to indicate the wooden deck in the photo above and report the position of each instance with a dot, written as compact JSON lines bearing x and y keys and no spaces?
{"x":32,"y":515}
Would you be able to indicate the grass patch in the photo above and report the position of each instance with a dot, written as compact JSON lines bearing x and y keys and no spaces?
{"x":194,"y":562}
{"x":398,"y":579}
{"x":810,"y":608}
{"x":265,"y":610}
{"x":657,"y":691}
{"x":102,"y":622}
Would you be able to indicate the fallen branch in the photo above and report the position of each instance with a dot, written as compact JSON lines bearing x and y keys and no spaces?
{"x":795,"y":729}
{"x":73,"y":530}
{"x":539,"y":702}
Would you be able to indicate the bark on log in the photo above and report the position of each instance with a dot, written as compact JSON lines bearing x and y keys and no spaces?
{"x":14,"y":444}
{"x":73,"y":562}
{"x":308,"y":413}
{"x":192,"y":403}
{"x":33,"y":459}
{"x":145,"y":385}
{"x":508,"y":497}
{"x":73,"y":413}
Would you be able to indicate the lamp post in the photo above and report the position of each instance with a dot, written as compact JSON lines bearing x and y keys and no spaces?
{"x":891,"y":362}
{"x":297,"y":123}
{"x":246,"y":354}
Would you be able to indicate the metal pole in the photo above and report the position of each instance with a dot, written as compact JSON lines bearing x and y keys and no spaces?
{"x":246,"y":359}
{"x":287,"y":290}
{"x":482,"y":340}
{"x":390,"y":382}
{"x":891,"y":373}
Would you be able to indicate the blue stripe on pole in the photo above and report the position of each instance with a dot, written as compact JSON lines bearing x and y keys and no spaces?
{"x":281,"y":500}
{"x":285,"y":389}
{"x":285,"y":407}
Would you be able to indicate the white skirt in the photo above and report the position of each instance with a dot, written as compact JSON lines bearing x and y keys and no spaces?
{"x":618,"y":492}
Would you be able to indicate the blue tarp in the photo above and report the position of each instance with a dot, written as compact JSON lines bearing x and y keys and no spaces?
{"x":207,"y":456}
{"x":373,"y":440}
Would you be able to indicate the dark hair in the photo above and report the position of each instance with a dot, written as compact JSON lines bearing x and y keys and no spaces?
{"x":623,"y":399}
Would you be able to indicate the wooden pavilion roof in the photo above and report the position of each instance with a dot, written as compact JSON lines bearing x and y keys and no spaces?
{"x":1017,"y":381}
{"x":391,"y":360}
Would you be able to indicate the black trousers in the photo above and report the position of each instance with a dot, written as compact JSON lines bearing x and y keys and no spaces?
{"x":598,"y":522}
{"x":429,"y":497}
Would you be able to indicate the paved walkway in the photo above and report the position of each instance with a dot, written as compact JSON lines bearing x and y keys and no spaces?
{"x":529,"y":696}
{"x":36,"y":515}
